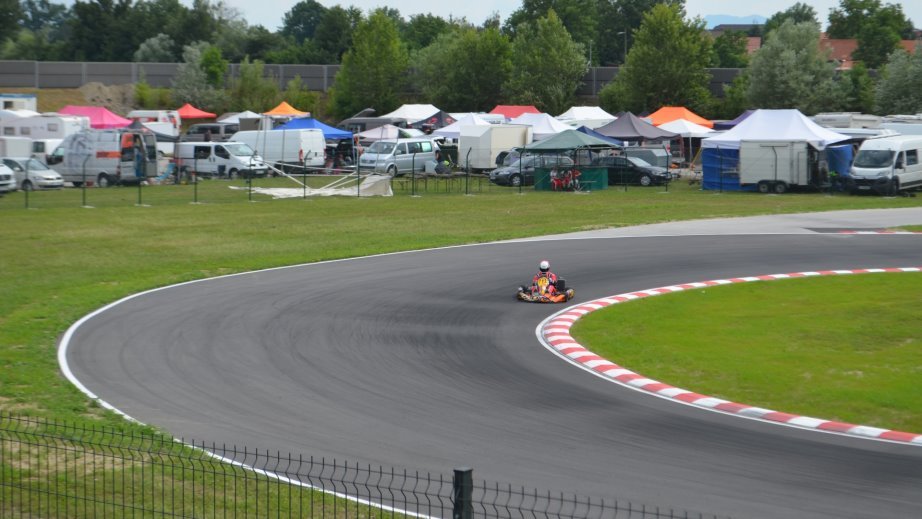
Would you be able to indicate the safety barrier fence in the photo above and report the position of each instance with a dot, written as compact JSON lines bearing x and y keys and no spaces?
{"x":51,"y":469}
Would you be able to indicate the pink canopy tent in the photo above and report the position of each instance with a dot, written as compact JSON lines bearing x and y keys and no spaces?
{"x":100,"y":117}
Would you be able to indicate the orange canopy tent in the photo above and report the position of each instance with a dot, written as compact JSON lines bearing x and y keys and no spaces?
{"x":187,"y":111}
{"x":668,"y":114}
{"x":286,"y":110}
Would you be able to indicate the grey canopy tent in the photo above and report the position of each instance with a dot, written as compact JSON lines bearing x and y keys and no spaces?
{"x":629,"y":127}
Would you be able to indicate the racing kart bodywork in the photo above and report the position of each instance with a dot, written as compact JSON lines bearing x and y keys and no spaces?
{"x":542,"y":292}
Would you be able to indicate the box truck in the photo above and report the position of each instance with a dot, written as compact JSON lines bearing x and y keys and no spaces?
{"x":777,"y":166}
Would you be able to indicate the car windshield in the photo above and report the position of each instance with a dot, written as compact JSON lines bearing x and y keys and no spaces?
{"x":640,"y":162}
{"x":526,"y":162}
{"x":35,"y":165}
{"x":873,"y":158}
{"x":240,"y":150}
{"x":381,"y":147}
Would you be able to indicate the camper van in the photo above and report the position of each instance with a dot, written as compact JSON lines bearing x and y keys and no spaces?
{"x":219,"y":159}
{"x":106,"y":157}
{"x":45,"y":126}
{"x":887,"y":165}
{"x":398,"y":157}
{"x":281,"y":148}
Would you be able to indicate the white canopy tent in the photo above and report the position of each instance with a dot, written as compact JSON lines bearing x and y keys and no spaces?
{"x":688,"y":130}
{"x":543,"y":125}
{"x":453,"y":131}
{"x":778,"y":125}
{"x":589,"y":116}
{"x":235,"y":118}
{"x":413,"y":113}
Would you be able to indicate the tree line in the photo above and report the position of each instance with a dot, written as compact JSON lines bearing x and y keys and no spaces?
{"x":538,"y":55}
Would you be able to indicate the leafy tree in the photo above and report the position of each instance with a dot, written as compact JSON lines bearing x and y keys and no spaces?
{"x":620,"y":18}
{"x":334,"y":34}
{"x":460,"y":57}
{"x":848,"y":21}
{"x":665,"y":67}
{"x":214,"y":65}
{"x":260,"y":41}
{"x":251,"y":90}
{"x":898,"y":89}
{"x":579,"y":17}
{"x":875,"y":43}
{"x":42,"y":14}
{"x":373,"y":72}
{"x":790,"y":70}
{"x":736,"y":98}
{"x":301,"y":21}
{"x":547,"y":65}
{"x":298,"y":95}
{"x":422,"y":30}
{"x":99,"y":33}
{"x":730,"y":50}
{"x":797,"y":13}
{"x":190,"y":84}
{"x":10,"y":15}
{"x":857,"y":90}
{"x":156,"y":49}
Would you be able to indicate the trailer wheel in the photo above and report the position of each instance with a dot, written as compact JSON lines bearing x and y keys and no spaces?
{"x":780,"y":188}
{"x":764,"y":187}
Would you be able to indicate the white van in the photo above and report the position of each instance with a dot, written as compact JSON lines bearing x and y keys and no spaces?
{"x":219,"y":159}
{"x":399,"y":157}
{"x":306,"y":147}
{"x":106,"y":157}
{"x":887,"y":165}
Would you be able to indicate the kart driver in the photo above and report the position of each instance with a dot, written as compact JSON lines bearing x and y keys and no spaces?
{"x":544,"y":271}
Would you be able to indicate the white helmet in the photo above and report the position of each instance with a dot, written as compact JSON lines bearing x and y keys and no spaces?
{"x":544,"y":266}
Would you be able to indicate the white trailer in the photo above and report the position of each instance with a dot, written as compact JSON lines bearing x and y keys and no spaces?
{"x":46,"y":126}
{"x":15,"y":147}
{"x":306,"y":147}
{"x":478,"y":146}
{"x":777,"y":166}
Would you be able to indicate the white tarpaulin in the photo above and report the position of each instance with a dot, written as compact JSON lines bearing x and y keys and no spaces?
{"x":413,"y":113}
{"x":589,"y":116}
{"x":453,"y":130}
{"x":372,"y":185}
{"x":775,"y":125}
{"x":542,"y":125}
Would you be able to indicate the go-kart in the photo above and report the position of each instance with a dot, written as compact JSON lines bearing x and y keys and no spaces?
{"x":546,"y":292}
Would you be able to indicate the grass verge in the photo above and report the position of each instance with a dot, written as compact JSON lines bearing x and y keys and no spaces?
{"x":840,"y":348}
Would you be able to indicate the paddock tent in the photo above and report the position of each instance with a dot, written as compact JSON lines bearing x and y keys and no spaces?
{"x":285,"y":110}
{"x":543,"y":125}
{"x":720,"y":156}
{"x":629,"y":127}
{"x":235,"y":118}
{"x":308,"y":123}
{"x":591,"y":116}
{"x":726,"y":125}
{"x":592,"y":133}
{"x":100,"y":117}
{"x":453,"y":131}
{"x":187,"y":111}
{"x":439,"y":119}
{"x":387,"y":131}
{"x":689,"y":132}
{"x":671,"y":113}
{"x":413,"y":113}
{"x":513,"y":111}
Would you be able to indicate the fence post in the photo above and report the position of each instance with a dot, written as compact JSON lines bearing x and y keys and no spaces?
{"x":462,"y":489}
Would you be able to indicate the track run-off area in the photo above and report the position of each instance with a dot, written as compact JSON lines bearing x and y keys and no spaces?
{"x":425,"y":361}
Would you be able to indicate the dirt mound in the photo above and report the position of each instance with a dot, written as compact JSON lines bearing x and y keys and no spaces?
{"x":117,"y":98}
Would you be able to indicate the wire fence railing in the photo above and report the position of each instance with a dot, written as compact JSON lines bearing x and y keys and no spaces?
{"x":53,"y":469}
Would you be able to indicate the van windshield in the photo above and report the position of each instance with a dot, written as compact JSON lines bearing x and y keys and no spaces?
{"x":873,"y":158}
{"x":381,"y":147}
{"x":240,"y":149}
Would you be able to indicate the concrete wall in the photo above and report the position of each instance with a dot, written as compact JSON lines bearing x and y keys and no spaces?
{"x":59,"y":74}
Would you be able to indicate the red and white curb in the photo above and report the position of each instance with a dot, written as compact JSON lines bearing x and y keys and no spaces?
{"x":554,"y":333}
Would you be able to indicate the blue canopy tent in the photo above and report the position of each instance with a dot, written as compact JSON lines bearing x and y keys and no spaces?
{"x":589,"y":131}
{"x":307,"y":123}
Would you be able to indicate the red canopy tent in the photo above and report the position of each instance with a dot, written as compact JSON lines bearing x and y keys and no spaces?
{"x":513,"y":111}
{"x":100,"y":117}
{"x":187,"y":111}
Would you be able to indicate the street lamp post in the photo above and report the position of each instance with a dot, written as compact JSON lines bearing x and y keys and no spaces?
{"x":624,"y":62}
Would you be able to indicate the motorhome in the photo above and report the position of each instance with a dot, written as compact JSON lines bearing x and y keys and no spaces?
{"x":106,"y":157}
{"x":887,"y":165}
{"x":285,"y":148}
{"x":219,"y":159}
{"x":45,"y":126}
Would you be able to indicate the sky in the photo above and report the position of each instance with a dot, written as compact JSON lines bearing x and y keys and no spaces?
{"x":268,"y":13}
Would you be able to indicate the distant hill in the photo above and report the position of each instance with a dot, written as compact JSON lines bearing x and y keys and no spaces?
{"x":713,"y":20}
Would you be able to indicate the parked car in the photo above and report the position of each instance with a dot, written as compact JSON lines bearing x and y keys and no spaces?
{"x":7,"y":180}
{"x":210,"y":132}
{"x":522,"y":171}
{"x":399,"y":157}
{"x":631,"y":170}
{"x":33,"y":174}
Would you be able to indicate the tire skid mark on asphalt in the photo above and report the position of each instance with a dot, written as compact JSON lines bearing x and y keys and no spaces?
{"x":554,"y":334}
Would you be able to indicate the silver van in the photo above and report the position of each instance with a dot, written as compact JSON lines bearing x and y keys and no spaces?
{"x":398,"y":157}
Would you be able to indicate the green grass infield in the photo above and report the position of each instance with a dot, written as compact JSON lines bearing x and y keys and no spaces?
{"x":843,"y":348}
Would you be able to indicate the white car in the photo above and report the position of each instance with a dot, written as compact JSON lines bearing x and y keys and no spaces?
{"x":7,"y":180}
{"x":33,"y":174}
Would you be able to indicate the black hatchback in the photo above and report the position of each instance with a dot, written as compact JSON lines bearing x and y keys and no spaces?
{"x":631,"y":170}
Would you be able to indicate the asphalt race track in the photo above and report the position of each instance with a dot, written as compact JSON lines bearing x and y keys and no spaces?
{"x":425,"y":361}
